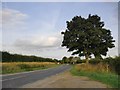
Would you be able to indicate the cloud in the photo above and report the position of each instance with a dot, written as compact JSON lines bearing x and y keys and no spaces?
{"x":12,"y":19}
{"x":39,"y":43}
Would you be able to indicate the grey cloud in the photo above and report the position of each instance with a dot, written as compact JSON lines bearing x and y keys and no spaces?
{"x":46,"y":43}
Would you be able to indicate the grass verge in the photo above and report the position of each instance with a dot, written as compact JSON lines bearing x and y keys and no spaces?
{"x":110,"y":79}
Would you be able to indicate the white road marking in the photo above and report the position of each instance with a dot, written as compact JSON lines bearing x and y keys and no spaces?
{"x":13,"y":78}
{"x":20,"y":73}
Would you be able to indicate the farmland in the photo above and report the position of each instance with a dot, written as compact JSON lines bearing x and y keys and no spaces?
{"x":14,"y":63}
{"x":14,"y":67}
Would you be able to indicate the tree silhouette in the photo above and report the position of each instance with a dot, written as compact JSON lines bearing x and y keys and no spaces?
{"x":87,"y":36}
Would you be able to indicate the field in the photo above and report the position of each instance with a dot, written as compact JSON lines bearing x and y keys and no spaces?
{"x":14,"y":67}
{"x":97,"y":72}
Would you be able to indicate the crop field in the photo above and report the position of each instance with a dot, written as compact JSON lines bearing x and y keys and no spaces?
{"x":14,"y":67}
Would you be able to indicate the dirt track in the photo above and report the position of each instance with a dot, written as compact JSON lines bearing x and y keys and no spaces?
{"x":66,"y":80}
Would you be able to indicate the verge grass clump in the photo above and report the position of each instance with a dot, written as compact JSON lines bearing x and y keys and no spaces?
{"x":97,"y":72}
{"x":100,"y":67}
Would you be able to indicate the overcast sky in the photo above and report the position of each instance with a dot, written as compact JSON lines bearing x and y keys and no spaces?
{"x":34,"y":28}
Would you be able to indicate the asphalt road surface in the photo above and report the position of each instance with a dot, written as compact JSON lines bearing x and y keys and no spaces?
{"x":18,"y":80}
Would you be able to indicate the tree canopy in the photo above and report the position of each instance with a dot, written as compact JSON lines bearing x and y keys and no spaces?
{"x":87,"y":36}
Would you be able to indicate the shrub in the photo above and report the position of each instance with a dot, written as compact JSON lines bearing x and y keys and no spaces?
{"x":83,"y":61}
{"x":94,"y":61}
{"x":114,"y":64}
{"x":79,"y":61}
{"x":117,"y":65}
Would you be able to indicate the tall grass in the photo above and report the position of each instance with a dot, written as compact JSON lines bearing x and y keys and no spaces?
{"x":100,"y":67}
{"x":98,"y":72}
{"x":14,"y":67}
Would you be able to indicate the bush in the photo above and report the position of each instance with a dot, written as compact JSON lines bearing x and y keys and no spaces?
{"x":94,"y":61}
{"x":80,"y":61}
{"x":117,"y":65}
{"x":114,"y":64}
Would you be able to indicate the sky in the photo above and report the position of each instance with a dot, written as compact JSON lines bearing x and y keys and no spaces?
{"x":119,"y":29}
{"x":59,"y":0}
{"x":34,"y":28}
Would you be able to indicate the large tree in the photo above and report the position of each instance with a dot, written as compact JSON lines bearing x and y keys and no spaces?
{"x":87,"y":36}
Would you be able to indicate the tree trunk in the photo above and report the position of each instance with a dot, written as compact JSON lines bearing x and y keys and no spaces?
{"x":86,"y":56}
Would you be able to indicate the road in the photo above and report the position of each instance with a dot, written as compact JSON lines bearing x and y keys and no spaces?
{"x":66,"y":80}
{"x":18,"y":80}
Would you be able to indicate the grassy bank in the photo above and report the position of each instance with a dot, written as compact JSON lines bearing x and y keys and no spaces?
{"x":15,"y":67}
{"x":108,"y":78}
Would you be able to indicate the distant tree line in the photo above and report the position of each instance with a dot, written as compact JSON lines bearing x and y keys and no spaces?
{"x":71,"y":60}
{"x":8,"y":57}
